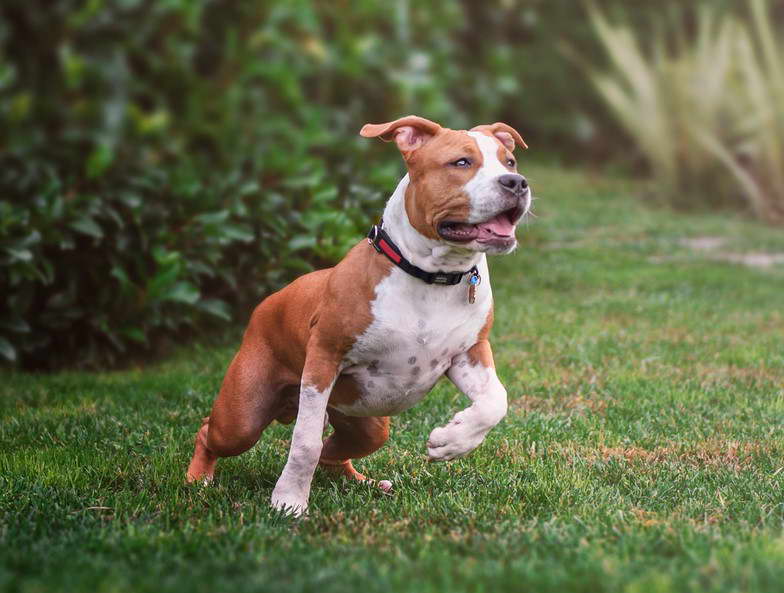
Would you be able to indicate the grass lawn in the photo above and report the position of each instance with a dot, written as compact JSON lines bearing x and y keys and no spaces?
{"x":643,"y":450}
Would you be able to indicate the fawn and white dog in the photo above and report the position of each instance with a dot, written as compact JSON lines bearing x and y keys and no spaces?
{"x":355,"y":344}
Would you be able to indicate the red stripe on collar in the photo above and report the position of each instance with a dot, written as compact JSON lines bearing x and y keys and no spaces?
{"x":388,"y":251}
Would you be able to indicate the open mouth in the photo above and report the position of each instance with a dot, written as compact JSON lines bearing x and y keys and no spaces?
{"x":499,"y":229}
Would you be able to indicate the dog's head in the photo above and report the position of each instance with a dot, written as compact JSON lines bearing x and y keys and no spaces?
{"x":464,"y":186}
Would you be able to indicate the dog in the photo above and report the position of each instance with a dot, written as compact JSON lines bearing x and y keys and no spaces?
{"x":367,"y":339}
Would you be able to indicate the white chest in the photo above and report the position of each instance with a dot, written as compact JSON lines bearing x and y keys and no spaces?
{"x":417,"y":330}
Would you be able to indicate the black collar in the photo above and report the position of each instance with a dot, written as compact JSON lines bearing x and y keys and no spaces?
{"x":381,"y":242}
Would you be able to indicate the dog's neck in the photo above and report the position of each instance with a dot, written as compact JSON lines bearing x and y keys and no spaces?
{"x":428,"y":254}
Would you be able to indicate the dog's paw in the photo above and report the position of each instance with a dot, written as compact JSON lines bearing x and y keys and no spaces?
{"x":202,"y":479}
{"x":289,"y":504}
{"x":452,"y":441}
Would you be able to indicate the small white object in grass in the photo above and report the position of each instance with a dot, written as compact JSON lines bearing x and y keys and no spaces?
{"x":385,"y":485}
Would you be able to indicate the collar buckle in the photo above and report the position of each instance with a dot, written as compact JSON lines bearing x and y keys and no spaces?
{"x":372,"y":237}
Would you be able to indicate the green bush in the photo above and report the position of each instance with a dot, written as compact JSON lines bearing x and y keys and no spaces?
{"x":165,"y":165}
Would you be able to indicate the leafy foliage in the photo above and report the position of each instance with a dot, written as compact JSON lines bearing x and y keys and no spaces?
{"x":154,"y":184}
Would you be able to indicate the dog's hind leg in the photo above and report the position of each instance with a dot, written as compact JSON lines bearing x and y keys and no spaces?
{"x":354,"y":437}
{"x":202,"y":465}
{"x":248,"y":401}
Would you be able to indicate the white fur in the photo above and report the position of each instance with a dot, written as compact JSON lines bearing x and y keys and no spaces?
{"x":417,"y":328}
{"x":416,"y":332}
{"x":468,"y":428}
{"x":421,"y":251}
{"x":419,"y":332}
{"x":487,"y":196}
{"x":293,"y":487}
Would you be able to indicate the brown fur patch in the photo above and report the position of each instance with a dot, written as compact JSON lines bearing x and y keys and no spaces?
{"x":345,"y":392}
{"x":435,"y":192}
{"x":322,"y":312}
{"x":481,"y":353}
{"x":353,"y":437}
{"x":299,"y":333}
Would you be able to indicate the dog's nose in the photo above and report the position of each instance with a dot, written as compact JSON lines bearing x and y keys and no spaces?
{"x":513,"y":182}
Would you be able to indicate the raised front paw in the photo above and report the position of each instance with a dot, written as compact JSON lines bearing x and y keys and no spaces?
{"x":289,"y":503}
{"x":454,"y":440}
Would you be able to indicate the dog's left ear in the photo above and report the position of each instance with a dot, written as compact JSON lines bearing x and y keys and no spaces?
{"x":508,"y":136}
{"x":409,"y":133}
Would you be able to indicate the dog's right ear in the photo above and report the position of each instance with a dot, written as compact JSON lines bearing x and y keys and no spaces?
{"x":408,"y":132}
{"x":508,"y":136}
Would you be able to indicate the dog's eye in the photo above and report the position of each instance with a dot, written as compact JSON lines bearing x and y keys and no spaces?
{"x":510,"y":163}
{"x":464,"y":162}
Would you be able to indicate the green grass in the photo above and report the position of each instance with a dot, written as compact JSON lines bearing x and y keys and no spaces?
{"x":643,"y":450}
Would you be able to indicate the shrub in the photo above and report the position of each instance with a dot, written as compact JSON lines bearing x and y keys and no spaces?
{"x":706,"y":111}
{"x":165,"y":164}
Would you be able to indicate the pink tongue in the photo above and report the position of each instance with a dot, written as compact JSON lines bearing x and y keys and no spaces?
{"x":499,"y":226}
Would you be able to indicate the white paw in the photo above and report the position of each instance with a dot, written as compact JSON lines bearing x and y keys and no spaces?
{"x":454,"y":440}
{"x":289,"y":503}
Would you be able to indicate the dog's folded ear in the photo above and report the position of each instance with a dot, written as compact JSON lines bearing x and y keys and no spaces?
{"x":408,"y":132}
{"x":508,"y":136}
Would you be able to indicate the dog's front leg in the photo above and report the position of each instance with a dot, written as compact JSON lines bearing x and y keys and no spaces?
{"x":474,"y":374}
{"x":292,"y":490}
